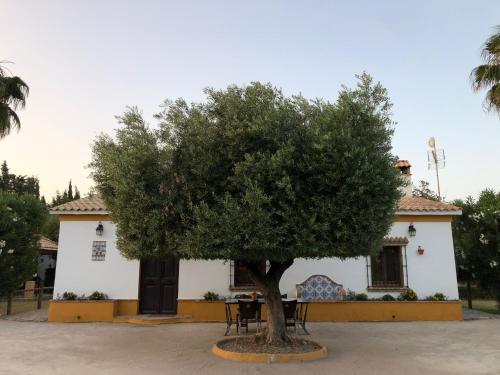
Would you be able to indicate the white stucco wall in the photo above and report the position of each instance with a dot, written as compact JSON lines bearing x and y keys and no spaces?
{"x":76,"y":272}
{"x":119,"y":278}
{"x":427,"y":274}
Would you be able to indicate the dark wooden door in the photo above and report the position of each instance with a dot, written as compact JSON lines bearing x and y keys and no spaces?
{"x":159,"y":285}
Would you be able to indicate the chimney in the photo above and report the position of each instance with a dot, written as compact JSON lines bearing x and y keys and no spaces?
{"x":404,"y":168}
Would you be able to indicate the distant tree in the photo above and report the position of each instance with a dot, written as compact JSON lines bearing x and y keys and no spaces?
{"x":66,"y":196}
{"x":487,"y":76}
{"x":13,"y":93}
{"x":18,"y":184}
{"x":70,"y":191}
{"x":51,"y":228}
{"x":251,"y":175}
{"x":21,"y":221}
{"x":77,"y":193}
{"x":424,"y":191}
{"x":476,"y":235}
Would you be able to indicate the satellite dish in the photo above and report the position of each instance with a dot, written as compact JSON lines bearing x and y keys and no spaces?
{"x":431,"y":142}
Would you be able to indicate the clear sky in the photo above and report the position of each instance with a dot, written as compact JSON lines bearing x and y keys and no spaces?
{"x":86,"y":60}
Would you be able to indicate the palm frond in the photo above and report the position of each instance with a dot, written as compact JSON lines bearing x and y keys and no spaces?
{"x":8,"y":120}
{"x":491,"y":49}
{"x":13,"y":91}
{"x":492,"y":100}
{"x":485,"y":76}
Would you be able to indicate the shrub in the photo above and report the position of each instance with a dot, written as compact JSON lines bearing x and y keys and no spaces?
{"x":96,"y":296}
{"x":69,"y":296}
{"x":361,"y":297}
{"x":211,"y":296}
{"x":408,"y":295}
{"x":351,"y":295}
{"x":439,"y":297}
{"x":388,"y":297}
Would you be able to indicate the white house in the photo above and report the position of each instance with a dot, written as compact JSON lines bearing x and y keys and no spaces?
{"x":417,"y":254}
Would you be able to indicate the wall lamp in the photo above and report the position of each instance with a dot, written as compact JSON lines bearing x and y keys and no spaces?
{"x":411,"y":230}
{"x":99,"y":229}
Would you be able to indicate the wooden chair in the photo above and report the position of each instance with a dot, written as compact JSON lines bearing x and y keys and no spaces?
{"x":247,"y":311}
{"x":291,"y":314}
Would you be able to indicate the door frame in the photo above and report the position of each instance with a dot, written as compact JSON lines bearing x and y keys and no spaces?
{"x":139,"y":308}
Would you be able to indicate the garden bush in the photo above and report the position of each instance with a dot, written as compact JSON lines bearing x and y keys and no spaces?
{"x":69,"y":296}
{"x":96,"y":296}
{"x":408,"y":295}
{"x":211,"y":296}
{"x":388,"y":297}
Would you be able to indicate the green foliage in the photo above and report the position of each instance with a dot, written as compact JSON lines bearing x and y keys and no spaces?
{"x":211,"y":296}
{"x":408,"y":295}
{"x":437,"y":297}
{"x":487,"y":76}
{"x":388,"y":297}
{"x":353,"y":296}
{"x":13,"y":93}
{"x":424,"y":191}
{"x":361,"y":297}
{"x":476,"y":235}
{"x":21,"y":219}
{"x":66,"y":196}
{"x":51,"y":228}
{"x":96,"y":296}
{"x":250,"y":174}
{"x":18,"y":184}
{"x":69,"y":296}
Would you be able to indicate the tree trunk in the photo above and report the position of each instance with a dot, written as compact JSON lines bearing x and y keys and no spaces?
{"x":275,"y":333}
{"x":469,"y":293}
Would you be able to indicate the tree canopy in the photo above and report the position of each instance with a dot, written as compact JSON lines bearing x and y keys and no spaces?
{"x":21,"y":220}
{"x":251,"y":175}
{"x":487,"y":75}
{"x":13,"y":93}
{"x":476,"y":235}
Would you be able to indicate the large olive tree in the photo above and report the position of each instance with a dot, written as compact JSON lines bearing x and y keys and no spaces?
{"x":253,"y":175}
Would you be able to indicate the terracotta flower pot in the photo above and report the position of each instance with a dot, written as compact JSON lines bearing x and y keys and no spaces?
{"x":420,"y":250}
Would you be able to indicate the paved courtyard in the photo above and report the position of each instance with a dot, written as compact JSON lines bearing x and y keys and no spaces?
{"x":470,"y":347}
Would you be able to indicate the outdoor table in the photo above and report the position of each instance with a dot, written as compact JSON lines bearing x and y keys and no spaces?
{"x":301,"y":305}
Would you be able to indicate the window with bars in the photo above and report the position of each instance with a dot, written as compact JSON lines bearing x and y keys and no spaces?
{"x":240,"y":277}
{"x":387,"y":268}
{"x":98,"y":250}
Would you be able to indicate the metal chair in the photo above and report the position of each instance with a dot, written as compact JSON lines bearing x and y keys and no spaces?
{"x":247,"y":311}
{"x":291,"y":313}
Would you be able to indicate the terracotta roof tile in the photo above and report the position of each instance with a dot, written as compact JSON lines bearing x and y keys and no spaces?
{"x":95,"y":203}
{"x":46,"y":244}
{"x":422,"y":204}
{"x":91,"y":203}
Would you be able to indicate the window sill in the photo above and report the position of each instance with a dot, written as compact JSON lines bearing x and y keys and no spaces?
{"x":386,"y":288}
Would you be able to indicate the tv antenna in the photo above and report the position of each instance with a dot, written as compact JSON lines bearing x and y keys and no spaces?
{"x":435,"y":160}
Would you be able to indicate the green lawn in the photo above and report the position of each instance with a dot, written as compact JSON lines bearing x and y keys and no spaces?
{"x":486,"y":305}
{"x":21,"y":306}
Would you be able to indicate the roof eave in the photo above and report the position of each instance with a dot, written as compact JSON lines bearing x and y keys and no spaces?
{"x":78,"y":212}
{"x":429,"y":212}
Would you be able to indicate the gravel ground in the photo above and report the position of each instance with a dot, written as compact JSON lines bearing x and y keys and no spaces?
{"x":246,"y":344}
{"x":471,"y":347}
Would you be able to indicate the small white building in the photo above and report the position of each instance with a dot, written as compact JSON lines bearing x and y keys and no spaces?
{"x":417,"y":254}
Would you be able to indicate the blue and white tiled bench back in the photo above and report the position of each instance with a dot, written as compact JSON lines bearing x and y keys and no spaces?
{"x":320,"y":288}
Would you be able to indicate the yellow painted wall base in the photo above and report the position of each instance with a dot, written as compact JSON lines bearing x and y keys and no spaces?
{"x":128,"y":307}
{"x":213,"y":311}
{"x":339,"y":311}
{"x":82,"y":311}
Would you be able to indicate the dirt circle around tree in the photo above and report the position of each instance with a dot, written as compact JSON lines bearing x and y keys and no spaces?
{"x":245,"y":349}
